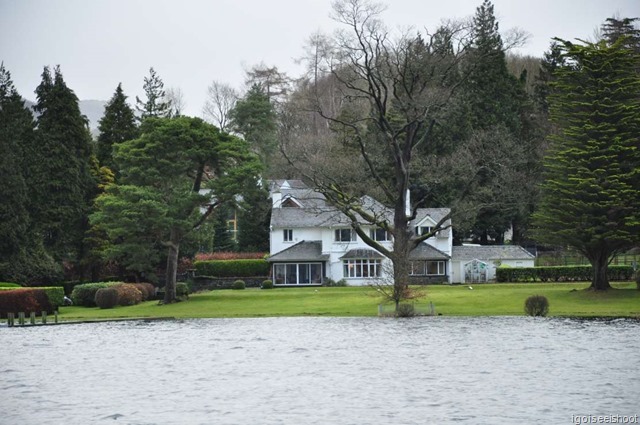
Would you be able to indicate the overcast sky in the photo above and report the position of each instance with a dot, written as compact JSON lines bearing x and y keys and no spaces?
{"x":190,"y":43}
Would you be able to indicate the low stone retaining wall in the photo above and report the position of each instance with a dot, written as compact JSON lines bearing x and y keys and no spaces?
{"x":207,"y":283}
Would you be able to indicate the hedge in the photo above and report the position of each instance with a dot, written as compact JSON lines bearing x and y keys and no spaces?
{"x":559,"y":274}
{"x":9,"y":285}
{"x":84,"y":295}
{"x":30,"y":300}
{"x":232,"y":268}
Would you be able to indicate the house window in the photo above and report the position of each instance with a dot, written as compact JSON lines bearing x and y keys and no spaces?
{"x":287,"y":235}
{"x":345,"y":235}
{"x":380,"y":235}
{"x":428,"y":268}
{"x":362,"y":268}
{"x":297,"y":273}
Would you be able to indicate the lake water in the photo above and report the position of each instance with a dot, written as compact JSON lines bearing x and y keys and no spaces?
{"x":436,"y":370}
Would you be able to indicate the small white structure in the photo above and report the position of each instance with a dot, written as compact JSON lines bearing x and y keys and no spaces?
{"x":471,"y":264}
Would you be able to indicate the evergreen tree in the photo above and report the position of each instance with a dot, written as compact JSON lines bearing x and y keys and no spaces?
{"x":255,"y":119}
{"x":60,"y":174}
{"x":156,"y":104}
{"x":22,"y":257}
{"x":118,"y":124}
{"x":254,"y":216}
{"x":591,"y":193}
{"x":222,"y":240}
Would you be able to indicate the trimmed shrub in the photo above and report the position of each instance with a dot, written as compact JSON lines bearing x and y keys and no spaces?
{"x":405,"y":310}
{"x":537,"y":306}
{"x":128,"y":294}
{"x":26,"y":300}
{"x":9,"y":285}
{"x":106,"y":297}
{"x":267,"y":284}
{"x":559,"y":274}
{"x":55,"y":294}
{"x":330,"y":282}
{"x":207,"y":256}
{"x":182,"y":289}
{"x":85,"y":294}
{"x":148,"y":290}
{"x":238,"y":284}
{"x":232,"y":268}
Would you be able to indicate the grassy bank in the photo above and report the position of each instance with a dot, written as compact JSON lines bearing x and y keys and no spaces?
{"x":483,"y":300}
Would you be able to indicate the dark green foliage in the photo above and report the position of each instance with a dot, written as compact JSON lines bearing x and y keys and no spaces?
{"x":558,"y":274}
{"x":182,"y":290}
{"x":28,"y":300}
{"x":59,"y":169}
{"x":536,"y":306}
{"x":222,"y":237}
{"x":128,"y":294}
{"x":238,"y":284}
{"x":267,"y":284}
{"x":84,"y":295}
{"x":9,"y":285}
{"x":232,"y":268}
{"x":254,"y":117}
{"x":254,"y":216}
{"x":31,"y":266}
{"x":116,"y":126}
{"x":156,"y":105}
{"x":106,"y":297}
{"x":591,"y":194}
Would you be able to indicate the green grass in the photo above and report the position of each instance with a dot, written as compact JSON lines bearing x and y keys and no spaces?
{"x":565,"y":299}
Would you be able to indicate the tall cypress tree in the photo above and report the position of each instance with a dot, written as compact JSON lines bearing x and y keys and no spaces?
{"x":62,"y":179}
{"x":591,"y":194}
{"x":118,"y":124}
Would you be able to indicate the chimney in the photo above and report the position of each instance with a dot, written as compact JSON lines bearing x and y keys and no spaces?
{"x":276,"y":197}
{"x":407,"y":204}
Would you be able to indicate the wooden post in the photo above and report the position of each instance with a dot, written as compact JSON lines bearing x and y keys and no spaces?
{"x":432,"y":308}
{"x":10,"y":319}
{"x":21,"y":318}
{"x":44,"y":317}
{"x":32,"y":316}
{"x":56,"y":315}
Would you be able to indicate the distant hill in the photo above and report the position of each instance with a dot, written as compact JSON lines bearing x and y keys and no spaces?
{"x":92,"y":109}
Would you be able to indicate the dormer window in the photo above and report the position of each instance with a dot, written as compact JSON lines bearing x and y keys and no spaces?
{"x":423,"y":230}
{"x":345,"y":235}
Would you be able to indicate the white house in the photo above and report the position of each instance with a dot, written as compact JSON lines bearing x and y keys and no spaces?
{"x":312,"y":241}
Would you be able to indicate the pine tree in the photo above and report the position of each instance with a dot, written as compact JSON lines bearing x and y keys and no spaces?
{"x":156,"y":104}
{"x":22,"y":256}
{"x":61,"y":176}
{"x":591,"y":193}
{"x":117,"y":125}
{"x":254,"y":215}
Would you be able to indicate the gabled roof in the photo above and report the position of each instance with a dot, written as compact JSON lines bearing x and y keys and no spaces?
{"x":302,"y":251}
{"x":490,"y":252}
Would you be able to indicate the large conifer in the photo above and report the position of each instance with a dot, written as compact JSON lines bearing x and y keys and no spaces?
{"x":156,"y":104}
{"x":591,"y":195}
{"x":61,"y":177}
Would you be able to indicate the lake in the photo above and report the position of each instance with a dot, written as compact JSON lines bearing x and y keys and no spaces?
{"x":314,"y":370}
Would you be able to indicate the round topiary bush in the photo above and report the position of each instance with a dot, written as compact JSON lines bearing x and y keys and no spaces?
{"x":267,"y":284}
{"x":106,"y":297}
{"x":238,"y":284}
{"x":182,"y":290}
{"x":128,"y":294}
{"x":537,"y":306}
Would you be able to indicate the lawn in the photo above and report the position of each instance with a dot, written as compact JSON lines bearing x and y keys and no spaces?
{"x":565,"y":299}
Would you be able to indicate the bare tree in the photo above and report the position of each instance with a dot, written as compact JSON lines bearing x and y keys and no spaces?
{"x":175,"y":97}
{"x":391,"y":93}
{"x":221,"y":99}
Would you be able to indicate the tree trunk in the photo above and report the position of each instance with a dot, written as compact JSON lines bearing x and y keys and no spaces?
{"x":172,"y":268}
{"x":600,"y":263}
{"x":401,"y":250}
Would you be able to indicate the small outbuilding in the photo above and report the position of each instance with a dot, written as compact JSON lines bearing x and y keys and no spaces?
{"x":475,"y":263}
